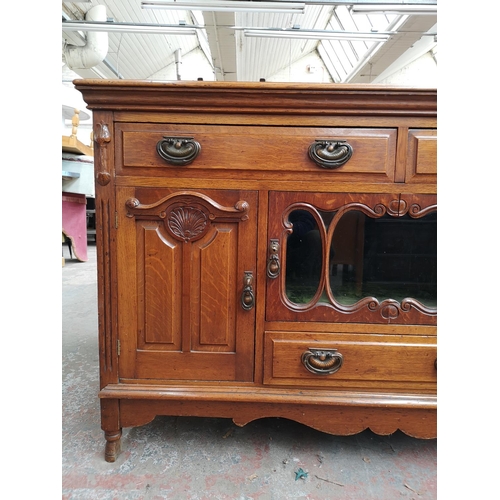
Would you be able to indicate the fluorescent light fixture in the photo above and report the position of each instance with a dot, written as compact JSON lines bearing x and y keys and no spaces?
{"x":394,"y":9}
{"x":160,"y":29}
{"x":316,"y":34}
{"x":226,"y":5}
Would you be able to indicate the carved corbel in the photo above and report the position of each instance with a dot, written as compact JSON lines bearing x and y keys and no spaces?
{"x":102,"y":137}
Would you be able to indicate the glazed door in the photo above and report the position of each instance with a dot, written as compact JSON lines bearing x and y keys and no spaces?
{"x":186,"y":282}
{"x":367,"y":258}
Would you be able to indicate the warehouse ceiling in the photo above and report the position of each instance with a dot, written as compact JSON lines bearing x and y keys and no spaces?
{"x":230,"y":54}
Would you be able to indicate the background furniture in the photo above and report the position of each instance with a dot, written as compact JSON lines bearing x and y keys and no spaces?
{"x":195,"y":186}
{"x":77,"y":187}
{"x":74,"y":223}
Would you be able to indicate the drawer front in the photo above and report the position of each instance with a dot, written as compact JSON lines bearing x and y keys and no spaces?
{"x":421,"y":163}
{"x":367,"y":361}
{"x":247,"y":149}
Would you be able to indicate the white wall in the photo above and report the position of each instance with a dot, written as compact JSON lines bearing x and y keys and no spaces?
{"x":194,"y":65}
{"x":300,"y":71}
{"x":418,"y":69}
{"x":421,"y":72}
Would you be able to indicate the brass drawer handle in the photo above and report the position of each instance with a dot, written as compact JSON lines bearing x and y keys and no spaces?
{"x":178,"y":150}
{"x":247,"y":296}
{"x":273,"y":264}
{"x":322,"y":361}
{"x":330,"y":154}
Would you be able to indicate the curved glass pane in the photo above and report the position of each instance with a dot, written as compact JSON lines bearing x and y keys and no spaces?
{"x":303,"y":258}
{"x":386,"y":258}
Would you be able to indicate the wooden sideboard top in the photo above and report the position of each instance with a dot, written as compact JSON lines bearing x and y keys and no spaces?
{"x":262,"y":98}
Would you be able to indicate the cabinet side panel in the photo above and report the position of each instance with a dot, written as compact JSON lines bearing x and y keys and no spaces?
{"x":103,"y":219}
{"x":105,"y":243}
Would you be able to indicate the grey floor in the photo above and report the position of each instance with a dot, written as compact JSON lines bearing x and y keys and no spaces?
{"x":208,"y":458}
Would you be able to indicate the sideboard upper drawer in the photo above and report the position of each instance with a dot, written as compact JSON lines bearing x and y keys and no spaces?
{"x":421,"y":159}
{"x":346,"y":153}
{"x":365,"y":360}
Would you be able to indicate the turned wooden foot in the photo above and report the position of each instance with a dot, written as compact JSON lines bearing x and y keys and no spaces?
{"x":113,"y":445}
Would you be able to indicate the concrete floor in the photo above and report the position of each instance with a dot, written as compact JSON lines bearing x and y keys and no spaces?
{"x":209,"y":458}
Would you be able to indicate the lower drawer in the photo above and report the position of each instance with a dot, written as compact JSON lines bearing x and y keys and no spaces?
{"x":403,"y":362}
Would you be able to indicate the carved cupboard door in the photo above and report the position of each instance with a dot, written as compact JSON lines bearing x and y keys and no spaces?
{"x":365,"y":258}
{"x":186,"y":271}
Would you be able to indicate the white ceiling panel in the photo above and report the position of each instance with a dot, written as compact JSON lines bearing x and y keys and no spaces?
{"x":132,"y":55}
{"x":231,"y":56}
{"x":263,"y":57}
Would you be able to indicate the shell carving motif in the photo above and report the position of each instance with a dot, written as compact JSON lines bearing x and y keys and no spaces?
{"x":187,"y":223}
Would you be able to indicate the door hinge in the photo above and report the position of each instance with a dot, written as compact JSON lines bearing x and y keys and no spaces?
{"x":118,"y":347}
{"x":116,"y":220}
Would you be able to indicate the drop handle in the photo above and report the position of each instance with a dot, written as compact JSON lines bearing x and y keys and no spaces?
{"x":330,"y":153}
{"x":178,"y":150}
{"x":322,"y":361}
{"x":247,"y":296}
{"x":273,"y":263}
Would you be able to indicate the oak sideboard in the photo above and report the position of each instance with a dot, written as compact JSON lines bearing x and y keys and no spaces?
{"x":266,"y":250}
